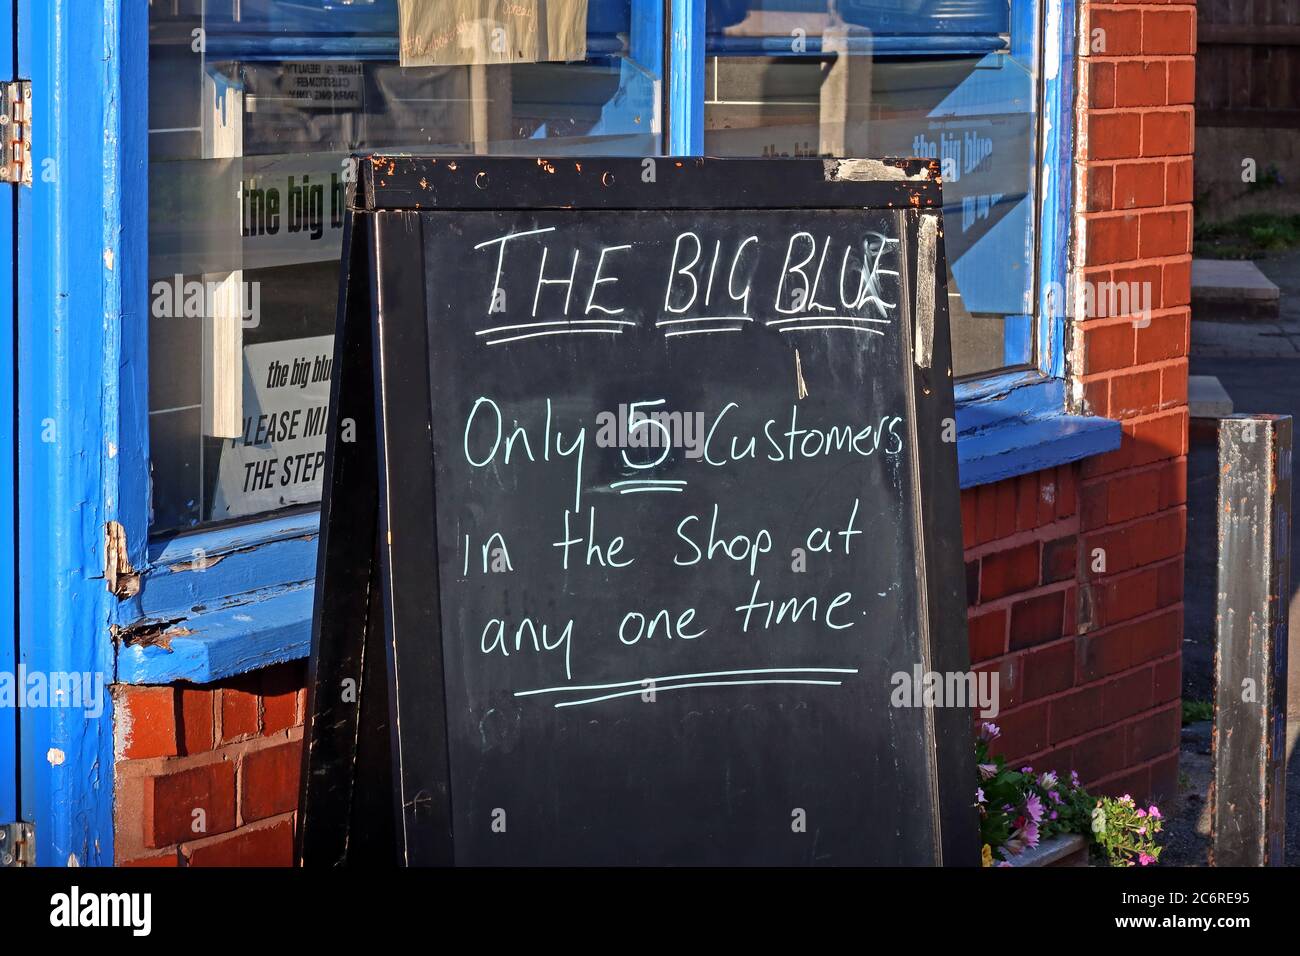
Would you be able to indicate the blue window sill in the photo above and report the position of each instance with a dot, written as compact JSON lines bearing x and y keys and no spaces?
{"x":224,"y":602}
{"x":1015,"y":425}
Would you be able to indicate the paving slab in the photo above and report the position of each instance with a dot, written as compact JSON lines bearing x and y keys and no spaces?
{"x":1207,"y":398}
{"x":1232,"y":289}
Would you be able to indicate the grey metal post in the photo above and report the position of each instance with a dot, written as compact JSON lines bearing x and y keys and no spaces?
{"x":1248,"y":794}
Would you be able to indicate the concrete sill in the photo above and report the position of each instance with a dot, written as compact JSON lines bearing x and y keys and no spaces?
{"x":1068,"y":849}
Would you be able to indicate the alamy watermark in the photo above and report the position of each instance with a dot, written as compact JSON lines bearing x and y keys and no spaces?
{"x":1086,"y":299}
{"x":177,"y":298}
{"x":963,"y":689}
{"x":82,"y":691}
{"x":631,"y":427}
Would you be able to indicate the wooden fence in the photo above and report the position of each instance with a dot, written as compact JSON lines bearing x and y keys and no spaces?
{"x":1248,"y":63}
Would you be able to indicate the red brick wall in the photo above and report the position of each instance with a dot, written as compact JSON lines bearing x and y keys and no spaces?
{"x":1075,"y":576}
{"x":231,"y":750}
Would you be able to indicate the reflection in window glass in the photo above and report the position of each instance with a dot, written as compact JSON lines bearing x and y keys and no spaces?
{"x":953,"y":80}
{"x":254,"y":107}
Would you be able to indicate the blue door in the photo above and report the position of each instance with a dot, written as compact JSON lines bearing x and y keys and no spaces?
{"x":8,"y":298}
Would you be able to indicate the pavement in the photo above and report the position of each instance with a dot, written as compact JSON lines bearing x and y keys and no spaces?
{"x":1258,"y":364}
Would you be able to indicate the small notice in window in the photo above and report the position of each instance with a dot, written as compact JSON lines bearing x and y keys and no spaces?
{"x":278,"y":460}
{"x":323,"y":85}
{"x":469,"y":32}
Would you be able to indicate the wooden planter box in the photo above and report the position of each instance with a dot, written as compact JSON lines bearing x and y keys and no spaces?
{"x":1069,"y":849}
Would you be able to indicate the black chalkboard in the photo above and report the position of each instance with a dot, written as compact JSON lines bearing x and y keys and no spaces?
{"x":639,"y":497}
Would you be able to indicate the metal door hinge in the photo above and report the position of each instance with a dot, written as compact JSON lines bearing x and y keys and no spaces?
{"x":16,"y":132}
{"x":17,"y":844}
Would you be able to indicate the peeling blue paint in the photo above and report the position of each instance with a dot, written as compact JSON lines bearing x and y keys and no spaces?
{"x":70,"y":337}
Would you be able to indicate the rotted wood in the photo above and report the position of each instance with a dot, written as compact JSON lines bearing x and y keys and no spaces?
{"x":1248,"y":794}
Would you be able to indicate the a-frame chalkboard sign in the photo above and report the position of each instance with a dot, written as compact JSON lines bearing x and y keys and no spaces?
{"x":641,"y":496}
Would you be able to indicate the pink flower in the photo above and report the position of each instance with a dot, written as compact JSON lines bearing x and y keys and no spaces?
{"x":1026,"y":769}
{"x":1140,"y":812}
{"x":1074,"y":778}
{"x":1056,"y":797}
{"x":1145,"y":860}
{"x":1034,"y":807}
{"x":1142,"y":831}
{"x":1053,"y":815}
{"x":988,"y":771}
{"x":1031,"y":834}
{"x":979,"y":794}
{"x":1154,"y":812}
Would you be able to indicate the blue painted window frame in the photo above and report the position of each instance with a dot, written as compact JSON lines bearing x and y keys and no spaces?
{"x":243,"y":594}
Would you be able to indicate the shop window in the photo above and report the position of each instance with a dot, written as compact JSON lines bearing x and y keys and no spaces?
{"x":954,"y":80}
{"x":254,"y":107}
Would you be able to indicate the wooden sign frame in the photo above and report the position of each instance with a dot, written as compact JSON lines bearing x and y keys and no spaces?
{"x":364,"y":799}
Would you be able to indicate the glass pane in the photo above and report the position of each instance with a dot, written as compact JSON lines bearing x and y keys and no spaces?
{"x":955,"y":80}
{"x":254,"y":107}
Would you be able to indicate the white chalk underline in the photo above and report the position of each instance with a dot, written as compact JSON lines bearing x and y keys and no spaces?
{"x":642,"y":681}
{"x":703,"y":683}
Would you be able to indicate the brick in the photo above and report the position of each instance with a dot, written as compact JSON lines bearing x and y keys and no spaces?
{"x":1160,"y":437}
{"x":1176,"y":280}
{"x":1168,"y":32}
{"x":1060,"y":558}
{"x":269,"y":781}
{"x":1009,"y":572}
{"x":1169,"y":583}
{"x":1100,"y":187}
{"x":1110,"y":239}
{"x":170,"y":800}
{"x":1027,"y":502}
{"x":1024,"y":732}
{"x":260,"y":847}
{"x":148,"y":719}
{"x":1145,"y":541}
{"x":1167,"y":681}
{"x":1114,"y":136}
{"x":1096,"y":397}
{"x":1100,"y":84}
{"x":1133,"y":496}
{"x":1037,"y":620}
{"x":1140,"y":83}
{"x":1126,"y":597}
{"x":987,"y":634}
{"x":1167,"y":133}
{"x":1181,"y":86}
{"x":1092,"y":506}
{"x":240,"y":709}
{"x":1173,"y":385}
{"x":1138,"y":184}
{"x":1006,"y":508}
{"x":972,"y":583}
{"x":197,"y":725}
{"x":1108,"y":347}
{"x":1009,"y":671}
{"x":1048,"y":670}
{"x":1102,"y":654}
{"x":1132,"y":782}
{"x":1165,"y":233}
{"x":1127,"y":695}
{"x":1158,"y":636}
{"x":1075,"y":713}
{"x":1153,"y":736}
{"x":1100,"y":755}
{"x":1173,"y":483}
{"x":986,"y":514}
{"x":1066,"y":494}
{"x":968,"y":499}
{"x":1120,"y":32}
{"x":1164,"y":338}
{"x":1135,"y":393}
{"x":280,"y":687}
